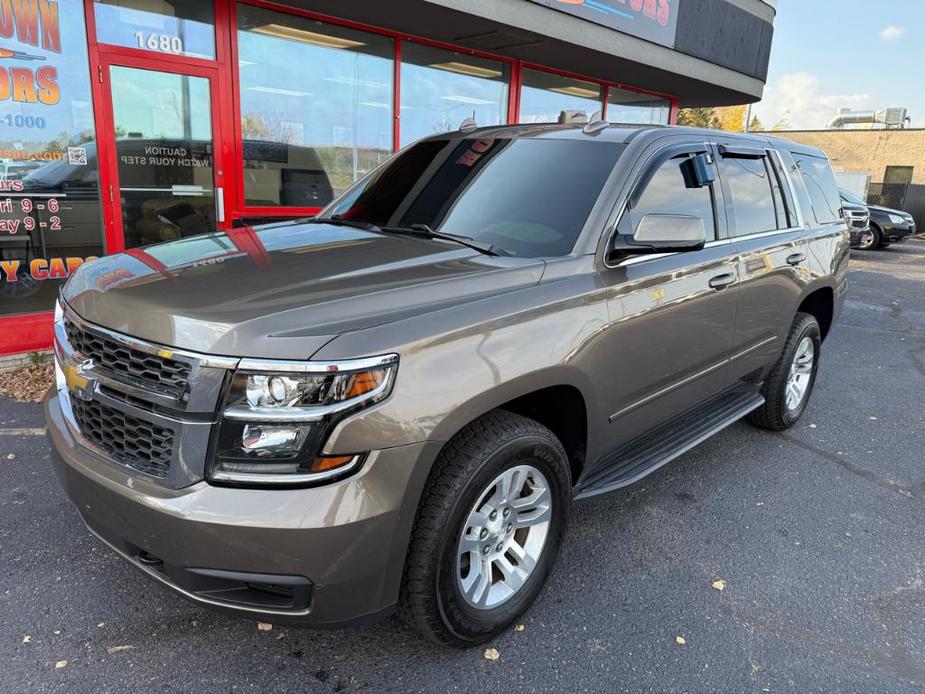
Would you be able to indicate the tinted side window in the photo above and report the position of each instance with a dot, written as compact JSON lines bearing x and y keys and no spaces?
{"x":753,"y":201}
{"x":820,"y":184}
{"x":667,"y":192}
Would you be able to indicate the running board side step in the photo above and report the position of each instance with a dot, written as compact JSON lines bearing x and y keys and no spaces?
{"x":648,"y":452}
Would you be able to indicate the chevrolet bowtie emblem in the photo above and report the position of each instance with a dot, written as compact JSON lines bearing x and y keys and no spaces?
{"x":77,"y":382}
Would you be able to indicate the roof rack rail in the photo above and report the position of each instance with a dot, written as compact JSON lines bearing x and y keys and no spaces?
{"x":468,"y":125}
{"x":596,"y":124}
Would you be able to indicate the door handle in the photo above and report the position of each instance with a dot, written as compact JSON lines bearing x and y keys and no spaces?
{"x":219,"y":205}
{"x":722,"y":281}
{"x":795,"y":259}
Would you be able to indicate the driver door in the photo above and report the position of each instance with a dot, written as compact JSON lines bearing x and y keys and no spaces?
{"x":672,"y":315}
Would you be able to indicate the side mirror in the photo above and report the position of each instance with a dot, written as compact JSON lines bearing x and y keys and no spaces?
{"x":663,"y":233}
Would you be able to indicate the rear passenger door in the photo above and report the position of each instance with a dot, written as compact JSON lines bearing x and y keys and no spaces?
{"x":768,"y":239}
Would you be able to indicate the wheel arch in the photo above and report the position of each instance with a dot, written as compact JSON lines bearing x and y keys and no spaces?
{"x":556,"y":398}
{"x":819,"y":302}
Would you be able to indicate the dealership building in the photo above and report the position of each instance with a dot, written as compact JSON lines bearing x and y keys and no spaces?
{"x":125,"y":123}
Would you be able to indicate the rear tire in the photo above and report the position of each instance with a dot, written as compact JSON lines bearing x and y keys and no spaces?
{"x":456,"y":542}
{"x":790,"y":383}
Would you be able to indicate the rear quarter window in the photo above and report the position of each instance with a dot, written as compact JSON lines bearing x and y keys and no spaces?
{"x":821,"y":186}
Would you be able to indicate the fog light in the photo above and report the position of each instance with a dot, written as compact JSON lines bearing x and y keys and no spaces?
{"x":263,"y":439}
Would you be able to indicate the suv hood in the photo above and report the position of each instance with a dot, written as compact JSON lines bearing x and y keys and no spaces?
{"x":888,"y":210}
{"x":284,"y":290}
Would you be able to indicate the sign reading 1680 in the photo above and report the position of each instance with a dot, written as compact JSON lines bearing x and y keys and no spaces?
{"x":159,"y":42}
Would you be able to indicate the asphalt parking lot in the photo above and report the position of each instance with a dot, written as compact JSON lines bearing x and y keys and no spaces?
{"x":818,"y":534}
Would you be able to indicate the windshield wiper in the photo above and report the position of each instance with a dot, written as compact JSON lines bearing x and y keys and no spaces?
{"x":417,"y":229}
{"x":425,"y":230}
{"x":337,"y":220}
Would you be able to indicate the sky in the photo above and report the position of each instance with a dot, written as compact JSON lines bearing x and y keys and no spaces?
{"x":831,"y":54}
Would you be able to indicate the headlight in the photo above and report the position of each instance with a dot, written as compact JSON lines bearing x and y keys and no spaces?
{"x":897,"y":219}
{"x":278,"y":415}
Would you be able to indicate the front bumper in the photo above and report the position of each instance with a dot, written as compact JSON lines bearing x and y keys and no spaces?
{"x":898,"y":232}
{"x":326,"y":556}
{"x":855,"y":234}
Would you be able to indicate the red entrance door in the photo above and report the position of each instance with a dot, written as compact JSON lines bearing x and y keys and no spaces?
{"x":162,"y":144}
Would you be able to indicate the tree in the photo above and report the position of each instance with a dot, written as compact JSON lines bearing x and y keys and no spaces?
{"x":703,"y":117}
{"x":782,"y":124}
{"x":254,"y":127}
{"x":755,"y":125}
{"x":732,"y":118}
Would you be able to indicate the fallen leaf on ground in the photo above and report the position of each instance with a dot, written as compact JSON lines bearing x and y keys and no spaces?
{"x":11,"y":456}
{"x":719,"y":584}
{"x":680,"y":640}
{"x":492,"y":654}
{"x":519,"y":627}
{"x":116,"y":649}
{"x":264,"y":626}
{"x":27,"y":639}
{"x":28,"y":384}
{"x":60,"y":664}
{"x":281,"y":635}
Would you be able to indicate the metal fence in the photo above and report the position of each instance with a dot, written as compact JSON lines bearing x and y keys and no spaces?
{"x":908,"y":197}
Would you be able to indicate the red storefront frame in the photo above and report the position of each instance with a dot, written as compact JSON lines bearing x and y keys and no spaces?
{"x":29,"y":332}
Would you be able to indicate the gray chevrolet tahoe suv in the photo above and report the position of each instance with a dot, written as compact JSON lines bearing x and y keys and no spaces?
{"x":392,"y":406}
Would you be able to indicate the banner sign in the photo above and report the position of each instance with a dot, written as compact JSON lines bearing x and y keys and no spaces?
{"x":652,"y":20}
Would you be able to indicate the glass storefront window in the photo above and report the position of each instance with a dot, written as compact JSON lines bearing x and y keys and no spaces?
{"x":632,"y":107}
{"x":441,"y":88}
{"x":50,"y":215}
{"x":544,"y":95}
{"x":316,"y":106}
{"x":175,"y":27}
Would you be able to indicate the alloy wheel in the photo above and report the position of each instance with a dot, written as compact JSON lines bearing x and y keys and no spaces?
{"x":801,"y":371}
{"x":503,"y":537}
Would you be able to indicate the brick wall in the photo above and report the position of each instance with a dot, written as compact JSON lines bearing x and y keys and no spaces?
{"x":867,"y":151}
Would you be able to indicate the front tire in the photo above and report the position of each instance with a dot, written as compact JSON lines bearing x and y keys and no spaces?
{"x":487,"y":530}
{"x":871,"y":242}
{"x":790,"y":382}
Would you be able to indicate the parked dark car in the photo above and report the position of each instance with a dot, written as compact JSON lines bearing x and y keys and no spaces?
{"x":886,"y":225}
{"x":393,"y":406}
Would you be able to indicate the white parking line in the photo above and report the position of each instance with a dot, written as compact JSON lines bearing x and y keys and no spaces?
{"x":28,"y":431}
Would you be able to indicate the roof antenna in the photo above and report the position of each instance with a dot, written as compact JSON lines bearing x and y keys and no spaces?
{"x":596,"y":124}
{"x":468,"y":125}
{"x":572,"y":117}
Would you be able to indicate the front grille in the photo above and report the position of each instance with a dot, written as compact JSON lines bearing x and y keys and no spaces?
{"x":158,"y":372}
{"x":128,"y":440}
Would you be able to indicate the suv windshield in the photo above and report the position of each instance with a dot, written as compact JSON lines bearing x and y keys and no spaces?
{"x":527,"y":197}
{"x":848,"y":196}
